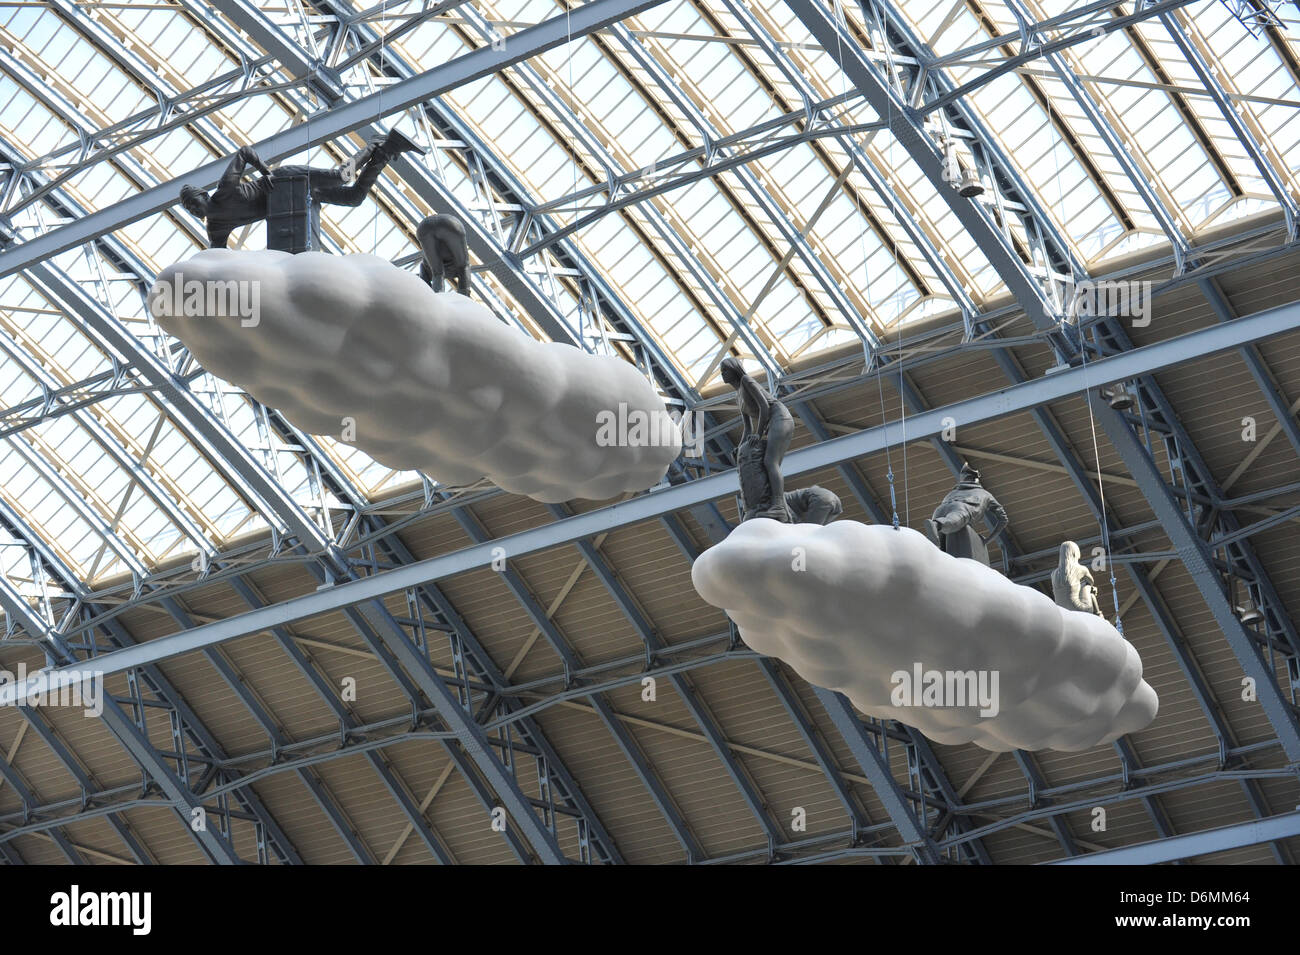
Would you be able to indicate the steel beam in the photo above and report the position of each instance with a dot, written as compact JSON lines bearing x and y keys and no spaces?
{"x":907,"y":125}
{"x":1195,"y":555}
{"x":217,"y":846}
{"x":1016,"y":398}
{"x":1195,"y":844}
{"x":876,"y":768}
{"x":330,"y":124}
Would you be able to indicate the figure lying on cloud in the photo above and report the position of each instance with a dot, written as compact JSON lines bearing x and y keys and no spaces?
{"x":920,"y":629}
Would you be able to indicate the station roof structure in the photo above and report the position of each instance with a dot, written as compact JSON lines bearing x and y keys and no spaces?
{"x":670,"y":182}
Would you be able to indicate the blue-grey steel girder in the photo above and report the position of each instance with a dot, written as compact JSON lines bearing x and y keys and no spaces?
{"x":784,"y":227}
{"x":1194,"y":553}
{"x":479,"y":660}
{"x":165,"y":502}
{"x":234,"y":459}
{"x":1122,"y":366}
{"x":863,"y":165}
{"x":690,"y":699}
{"x":529,"y":42}
{"x":330,"y":697}
{"x":1195,"y":844}
{"x":46,"y":559}
{"x":1255,"y":363}
{"x":1076,"y":25}
{"x":477,"y":656}
{"x":28,"y":799}
{"x":1028,"y":293}
{"x":1106,"y":131}
{"x":69,"y":762}
{"x":667,"y":234}
{"x":1060,"y":828}
{"x":608,"y":717}
{"x":907,"y":126}
{"x":717,"y":529}
{"x":189,"y":808}
{"x":876,"y":767}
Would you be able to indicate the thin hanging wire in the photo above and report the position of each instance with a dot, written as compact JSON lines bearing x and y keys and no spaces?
{"x":379,"y":113}
{"x":898,"y":332}
{"x":573,"y":141}
{"x":842,"y":18}
{"x":1103,"y":519}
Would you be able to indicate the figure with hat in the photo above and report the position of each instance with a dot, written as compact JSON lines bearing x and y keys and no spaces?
{"x":951,"y":527}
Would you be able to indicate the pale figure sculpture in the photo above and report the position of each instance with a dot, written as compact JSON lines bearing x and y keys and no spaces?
{"x":1072,"y":584}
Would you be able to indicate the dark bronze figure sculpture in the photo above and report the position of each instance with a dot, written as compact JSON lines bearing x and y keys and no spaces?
{"x":951,"y":527}
{"x":238,"y":202}
{"x":446,"y":255}
{"x":768,"y":430}
{"x":813,"y":505}
{"x":765,"y":438}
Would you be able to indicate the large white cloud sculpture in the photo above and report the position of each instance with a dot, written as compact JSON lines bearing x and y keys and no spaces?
{"x":430,"y":381}
{"x":856,"y":608}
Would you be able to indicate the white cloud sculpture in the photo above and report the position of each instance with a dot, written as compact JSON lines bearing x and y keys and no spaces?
{"x":350,"y":346}
{"x":879,"y":614}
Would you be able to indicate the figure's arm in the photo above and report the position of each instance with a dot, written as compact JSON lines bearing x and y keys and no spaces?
{"x":234,"y":174}
{"x":251,"y":157}
{"x":998,"y":515}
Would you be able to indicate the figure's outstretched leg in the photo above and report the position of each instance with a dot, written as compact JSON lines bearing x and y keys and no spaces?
{"x":455,"y":253}
{"x":430,"y":233}
{"x":460,"y":272}
{"x":367,"y":164}
{"x":432,"y":277}
{"x":780,"y":433}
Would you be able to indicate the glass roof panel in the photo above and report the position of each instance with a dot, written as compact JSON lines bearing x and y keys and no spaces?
{"x":799,"y":242}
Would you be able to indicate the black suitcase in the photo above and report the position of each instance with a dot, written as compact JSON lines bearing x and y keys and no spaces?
{"x":292,"y":218}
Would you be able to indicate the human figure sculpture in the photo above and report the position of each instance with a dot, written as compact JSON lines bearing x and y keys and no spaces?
{"x":446,"y":255}
{"x":813,"y":505}
{"x":238,"y":202}
{"x":765,"y":437}
{"x":952,"y":526}
{"x":807,"y":505}
{"x":756,"y":497}
{"x":1072,"y":584}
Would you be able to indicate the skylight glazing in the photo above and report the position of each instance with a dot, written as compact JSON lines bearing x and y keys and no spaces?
{"x":795,"y":248}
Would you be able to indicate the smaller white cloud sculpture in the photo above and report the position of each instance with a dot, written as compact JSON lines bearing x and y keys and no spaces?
{"x":350,"y":346}
{"x":881,"y":615}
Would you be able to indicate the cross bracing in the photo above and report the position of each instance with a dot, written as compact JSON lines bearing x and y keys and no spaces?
{"x":739,"y":184}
